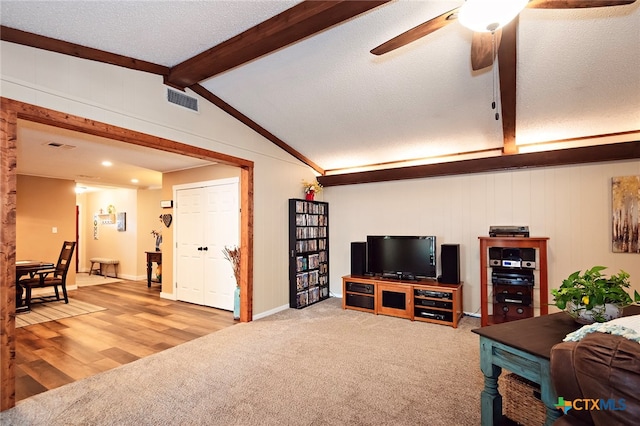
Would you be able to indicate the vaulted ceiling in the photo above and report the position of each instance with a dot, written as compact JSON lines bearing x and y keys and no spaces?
{"x":302,"y":75}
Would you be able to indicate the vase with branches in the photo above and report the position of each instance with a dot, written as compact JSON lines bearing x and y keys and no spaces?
{"x":232,"y":254}
{"x":158,"y":236}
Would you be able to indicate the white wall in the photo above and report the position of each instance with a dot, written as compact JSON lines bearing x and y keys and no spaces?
{"x":571,"y":205}
{"x":136,"y":101}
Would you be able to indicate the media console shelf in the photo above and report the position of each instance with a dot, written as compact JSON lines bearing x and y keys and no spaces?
{"x":424,"y":300}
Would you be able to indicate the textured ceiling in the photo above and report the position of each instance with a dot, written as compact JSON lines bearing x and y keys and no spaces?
{"x":59,"y":153}
{"x":342,"y":107}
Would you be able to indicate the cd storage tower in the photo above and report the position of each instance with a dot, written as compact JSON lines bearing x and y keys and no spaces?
{"x":308,"y":252}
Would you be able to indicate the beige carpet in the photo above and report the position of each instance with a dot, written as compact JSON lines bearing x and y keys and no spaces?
{"x":317,"y":366}
{"x":52,"y":311}
{"x":85,"y":280}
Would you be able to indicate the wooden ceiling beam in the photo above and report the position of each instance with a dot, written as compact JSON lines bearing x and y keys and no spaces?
{"x":590,"y":154}
{"x":53,"y":45}
{"x":292,"y":25}
{"x":254,"y":126}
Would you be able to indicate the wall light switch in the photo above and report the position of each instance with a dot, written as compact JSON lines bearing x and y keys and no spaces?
{"x":54,"y":230}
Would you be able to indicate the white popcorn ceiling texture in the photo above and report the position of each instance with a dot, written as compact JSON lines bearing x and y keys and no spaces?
{"x":330,"y":99}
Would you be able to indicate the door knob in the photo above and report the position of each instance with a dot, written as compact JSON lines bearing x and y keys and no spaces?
{"x":199,"y":248}
{"x":205,"y":248}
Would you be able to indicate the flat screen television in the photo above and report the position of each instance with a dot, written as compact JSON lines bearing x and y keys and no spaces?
{"x":405,"y":257}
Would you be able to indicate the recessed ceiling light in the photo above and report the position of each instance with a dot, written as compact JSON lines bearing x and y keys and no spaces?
{"x":107,"y":163}
{"x":134,"y":180}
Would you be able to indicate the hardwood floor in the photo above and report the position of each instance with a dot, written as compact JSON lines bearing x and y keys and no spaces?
{"x":136,"y":323}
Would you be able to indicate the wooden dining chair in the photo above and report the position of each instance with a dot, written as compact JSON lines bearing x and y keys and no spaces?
{"x":55,"y":278}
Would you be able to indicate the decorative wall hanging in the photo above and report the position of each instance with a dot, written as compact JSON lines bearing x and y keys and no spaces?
{"x":625,"y":194}
{"x":95,"y":227}
{"x":166,"y":219}
{"x":121,"y":222}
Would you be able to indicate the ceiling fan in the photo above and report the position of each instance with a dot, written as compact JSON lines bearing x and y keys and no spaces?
{"x":487,"y":23}
{"x":493,"y":36}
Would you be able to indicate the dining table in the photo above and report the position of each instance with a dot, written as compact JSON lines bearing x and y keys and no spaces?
{"x":31,"y":268}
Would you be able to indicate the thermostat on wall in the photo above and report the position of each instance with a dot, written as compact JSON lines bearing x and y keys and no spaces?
{"x":166,"y":203}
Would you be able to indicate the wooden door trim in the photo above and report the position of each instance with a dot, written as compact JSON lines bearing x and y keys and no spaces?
{"x":10,"y":112}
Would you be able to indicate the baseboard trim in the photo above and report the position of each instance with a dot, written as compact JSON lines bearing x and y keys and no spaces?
{"x":168,"y":296}
{"x":270,"y":312}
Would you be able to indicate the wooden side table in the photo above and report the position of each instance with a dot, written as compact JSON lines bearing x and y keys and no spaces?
{"x":523,"y":347}
{"x":153,"y":256}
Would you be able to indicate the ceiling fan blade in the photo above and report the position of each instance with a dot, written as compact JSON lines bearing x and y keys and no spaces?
{"x":575,"y":4}
{"x":417,"y":32}
{"x":483,"y":52}
{"x":507,"y":60}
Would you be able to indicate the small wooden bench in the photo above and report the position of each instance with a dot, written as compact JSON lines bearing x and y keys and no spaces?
{"x":104,"y":261}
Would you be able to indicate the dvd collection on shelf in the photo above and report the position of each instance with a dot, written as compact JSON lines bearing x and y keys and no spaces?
{"x":309,"y":252}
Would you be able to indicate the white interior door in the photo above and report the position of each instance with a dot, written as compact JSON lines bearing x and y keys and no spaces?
{"x":207,"y":220}
{"x":189,"y":218}
{"x":222,"y":211}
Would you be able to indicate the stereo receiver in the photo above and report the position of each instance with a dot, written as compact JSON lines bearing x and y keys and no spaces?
{"x":512,"y":257}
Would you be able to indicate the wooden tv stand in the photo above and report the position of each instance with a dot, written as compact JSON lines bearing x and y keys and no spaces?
{"x":422,"y":300}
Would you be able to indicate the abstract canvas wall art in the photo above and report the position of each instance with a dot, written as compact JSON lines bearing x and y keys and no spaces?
{"x":625,"y":194}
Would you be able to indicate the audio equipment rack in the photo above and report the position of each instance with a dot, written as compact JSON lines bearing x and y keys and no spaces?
{"x":512,"y":297}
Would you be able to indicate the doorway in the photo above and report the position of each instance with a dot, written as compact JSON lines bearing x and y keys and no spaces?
{"x":10,"y":112}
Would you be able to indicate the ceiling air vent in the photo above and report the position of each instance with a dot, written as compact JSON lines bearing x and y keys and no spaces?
{"x":59,"y":145}
{"x":182,"y":100}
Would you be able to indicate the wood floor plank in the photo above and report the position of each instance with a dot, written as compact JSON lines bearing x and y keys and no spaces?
{"x":135,"y":324}
{"x":119,"y":356}
{"x":81,"y":333}
{"x":67,"y":364}
{"x":46,"y":374}
{"x":42,"y":331}
{"x":183,"y":335}
{"x":26,"y":385}
{"x":77,"y":350}
{"x":106,"y":364}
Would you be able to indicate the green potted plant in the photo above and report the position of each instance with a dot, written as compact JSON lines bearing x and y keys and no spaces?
{"x":593,"y":297}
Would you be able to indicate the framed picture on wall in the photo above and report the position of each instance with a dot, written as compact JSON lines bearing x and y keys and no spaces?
{"x":121,"y":222}
{"x":625,"y":194}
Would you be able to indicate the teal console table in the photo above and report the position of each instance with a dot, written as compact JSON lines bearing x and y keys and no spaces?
{"x":524,"y":348}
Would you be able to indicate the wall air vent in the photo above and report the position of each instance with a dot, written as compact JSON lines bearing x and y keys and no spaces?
{"x":182,"y":100}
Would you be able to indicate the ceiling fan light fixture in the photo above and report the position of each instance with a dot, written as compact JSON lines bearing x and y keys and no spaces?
{"x":489,"y":15}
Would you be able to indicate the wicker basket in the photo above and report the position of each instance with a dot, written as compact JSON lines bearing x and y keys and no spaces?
{"x":521,"y":401}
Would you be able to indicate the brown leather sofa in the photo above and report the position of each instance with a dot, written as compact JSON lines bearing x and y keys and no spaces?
{"x":600,"y":366}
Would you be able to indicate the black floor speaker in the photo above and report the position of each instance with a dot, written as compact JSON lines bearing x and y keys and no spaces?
{"x":450,"y":262}
{"x":358,"y":258}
